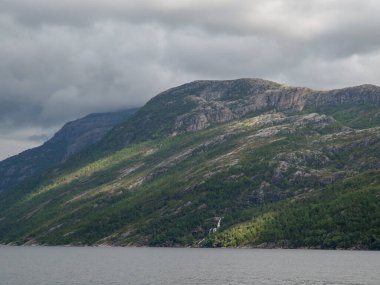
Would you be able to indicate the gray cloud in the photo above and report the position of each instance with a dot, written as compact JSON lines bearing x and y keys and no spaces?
{"x":64,"y":59}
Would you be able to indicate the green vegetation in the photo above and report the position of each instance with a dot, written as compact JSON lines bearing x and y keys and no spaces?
{"x":343,"y":215}
{"x":354,"y":116}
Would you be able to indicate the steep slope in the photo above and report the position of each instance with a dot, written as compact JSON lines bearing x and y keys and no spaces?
{"x":73,"y":137}
{"x":174,"y":178}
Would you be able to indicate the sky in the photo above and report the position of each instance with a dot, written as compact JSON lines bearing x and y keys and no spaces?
{"x":61,"y":60}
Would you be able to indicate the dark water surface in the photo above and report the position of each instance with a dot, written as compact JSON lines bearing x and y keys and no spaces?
{"x":71,"y":265}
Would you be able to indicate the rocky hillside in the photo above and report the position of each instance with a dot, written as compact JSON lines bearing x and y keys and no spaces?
{"x":72,"y":138}
{"x":217,"y":163}
{"x":200,"y":104}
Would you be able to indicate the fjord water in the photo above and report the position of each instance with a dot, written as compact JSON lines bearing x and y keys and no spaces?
{"x":90,"y":265}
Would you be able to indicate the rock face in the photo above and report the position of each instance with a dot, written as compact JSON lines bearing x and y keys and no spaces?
{"x":219,"y":102}
{"x":73,"y":137}
{"x":200,"y":104}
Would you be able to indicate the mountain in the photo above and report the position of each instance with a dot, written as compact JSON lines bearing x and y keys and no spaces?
{"x":244,"y":162}
{"x":72,"y":138}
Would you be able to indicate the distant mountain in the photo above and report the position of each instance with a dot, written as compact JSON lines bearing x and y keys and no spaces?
{"x":72,"y":138}
{"x":244,"y":162}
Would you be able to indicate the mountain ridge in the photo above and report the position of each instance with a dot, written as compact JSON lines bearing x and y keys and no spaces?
{"x":251,"y":95}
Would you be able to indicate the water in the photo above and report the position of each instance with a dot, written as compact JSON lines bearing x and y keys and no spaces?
{"x":63,"y":265}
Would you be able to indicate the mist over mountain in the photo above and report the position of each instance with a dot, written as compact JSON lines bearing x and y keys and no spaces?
{"x":63,"y":61}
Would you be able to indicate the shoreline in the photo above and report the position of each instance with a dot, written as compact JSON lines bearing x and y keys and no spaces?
{"x":188,"y":247}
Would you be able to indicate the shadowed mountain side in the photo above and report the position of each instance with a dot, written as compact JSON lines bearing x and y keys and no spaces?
{"x":72,"y":138}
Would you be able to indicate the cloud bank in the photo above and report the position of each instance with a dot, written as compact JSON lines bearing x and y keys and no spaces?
{"x":64,"y":59}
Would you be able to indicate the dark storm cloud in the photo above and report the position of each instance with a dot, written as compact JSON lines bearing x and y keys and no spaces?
{"x":64,"y":59}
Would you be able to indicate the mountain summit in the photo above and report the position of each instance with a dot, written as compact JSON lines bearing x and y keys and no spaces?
{"x":197,"y":105}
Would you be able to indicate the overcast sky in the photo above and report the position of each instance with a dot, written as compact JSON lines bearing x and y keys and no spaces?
{"x":60,"y":60}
